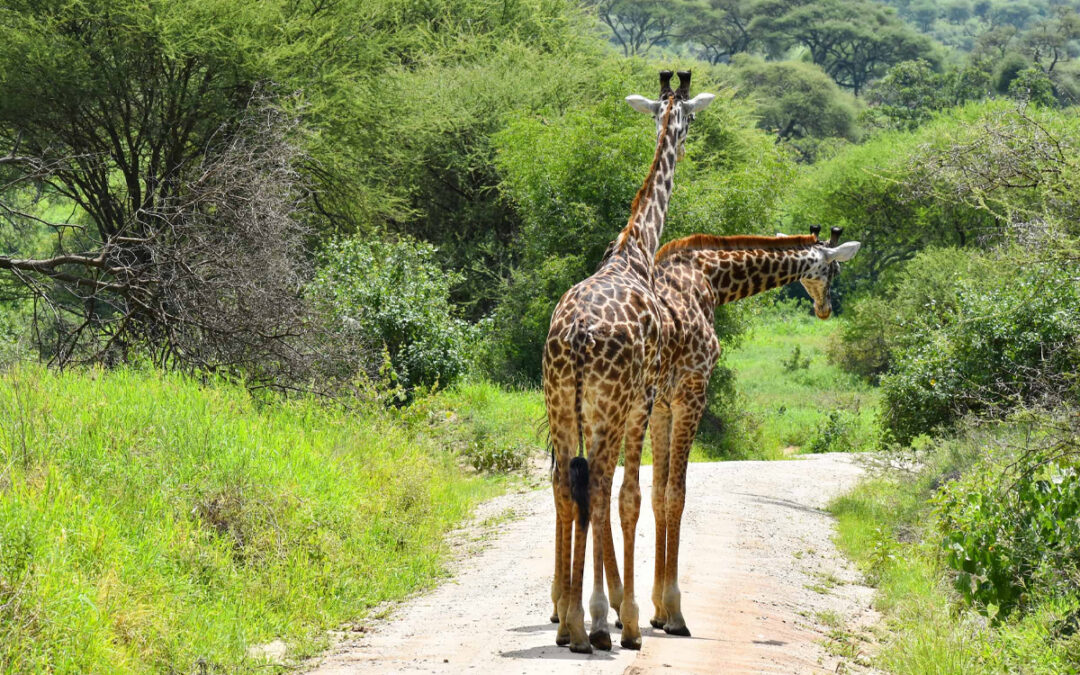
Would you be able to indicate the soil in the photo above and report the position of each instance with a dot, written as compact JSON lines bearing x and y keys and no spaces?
{"x":763,"y":588}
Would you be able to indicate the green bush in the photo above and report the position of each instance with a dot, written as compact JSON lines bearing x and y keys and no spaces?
{"x":920,"y":293}
{"x":394,"y":297}
{"x":1008,"y":337}
{"x":1010,"y":527}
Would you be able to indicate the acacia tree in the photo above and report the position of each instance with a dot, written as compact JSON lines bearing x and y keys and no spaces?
{"x":852,"y":41}
{"x":639,"y":25}
{"x":1047,"y":43}
{"x":721,"y":28}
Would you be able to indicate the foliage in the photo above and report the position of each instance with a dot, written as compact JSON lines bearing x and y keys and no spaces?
{"x":395,"y":297}
{"x":1032,"y":85}
{"x":955,"y":181}
{"x":1008,"y":338}
{"x":853,"y":42}
{"x":911,"y":92}
{"x":639,"y":25}
{"x":889,"y":527}
{"x":152,"y":523}
{"x":795,"y":100}
{"x":1009,"y":542}
{"x":920,"y":295}
{"x":795,"y":361}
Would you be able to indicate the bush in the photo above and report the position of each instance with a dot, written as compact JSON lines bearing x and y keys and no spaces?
{"x":1008,"y":337}
{"x":393,"y":296}
{"x":921,"y":292}
{"x":1010,"y":527}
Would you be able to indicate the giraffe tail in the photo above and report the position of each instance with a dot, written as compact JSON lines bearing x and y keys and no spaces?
{"x":579,"y":488}
{"x":579,"y":466}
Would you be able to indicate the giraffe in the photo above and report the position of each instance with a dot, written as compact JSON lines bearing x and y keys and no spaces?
{"x":600,"y":363}
{"x":694,"y":275}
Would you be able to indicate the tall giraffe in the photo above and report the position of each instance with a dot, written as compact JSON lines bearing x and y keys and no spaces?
{"x":600,"y":364}
{"x":692,"y":277}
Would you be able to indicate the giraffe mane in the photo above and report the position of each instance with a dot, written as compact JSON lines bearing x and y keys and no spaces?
{"x":646,"y":188}
{"x":742,"y":242}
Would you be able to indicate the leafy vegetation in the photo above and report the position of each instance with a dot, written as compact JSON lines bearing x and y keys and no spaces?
{"x":973,"y":574}
{"x":149,"y":522}
{"x":394,"y":298}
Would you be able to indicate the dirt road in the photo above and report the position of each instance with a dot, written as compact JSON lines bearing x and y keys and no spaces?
{"x":764,"y":589}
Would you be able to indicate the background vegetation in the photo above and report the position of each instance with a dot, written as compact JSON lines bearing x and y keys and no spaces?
{"x":257,"y":239}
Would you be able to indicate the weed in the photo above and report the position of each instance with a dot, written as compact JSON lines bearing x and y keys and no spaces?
{"x":795,"y":361}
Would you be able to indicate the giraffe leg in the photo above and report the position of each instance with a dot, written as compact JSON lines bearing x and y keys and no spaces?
{"x":611,"y":567}
{"x":660,"y":425}
{"x":600,"y":633}
{"x":686,"y":413}
{"x":629,"y":509}
{"x":574,"y":619}
{"x":564,"y":516}
{"x":560,"y":524}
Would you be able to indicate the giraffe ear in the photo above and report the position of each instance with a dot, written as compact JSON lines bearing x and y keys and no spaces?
{"x":700,"y":102}
{"x":643,"y":105}
{"x":843,"y":252}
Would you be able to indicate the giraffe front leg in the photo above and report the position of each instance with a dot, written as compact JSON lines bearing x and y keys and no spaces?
{"x":686,"y":413}
{"x":660,"y":425}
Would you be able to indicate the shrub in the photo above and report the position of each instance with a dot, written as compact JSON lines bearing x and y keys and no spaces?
{"x":393,"y":296}
{"x":921,"y":292}
{"x":1010,"y":527}
{"x":1005,"y":338}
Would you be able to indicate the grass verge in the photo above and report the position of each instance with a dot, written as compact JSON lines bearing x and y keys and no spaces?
{"x":152,"y":523}
{"x":790,"y":399}
{"x":886,"y":526}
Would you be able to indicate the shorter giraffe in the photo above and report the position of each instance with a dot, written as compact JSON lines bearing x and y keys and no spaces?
{"x":692,"y":277}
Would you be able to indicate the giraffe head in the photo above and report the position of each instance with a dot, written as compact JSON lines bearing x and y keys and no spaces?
{"x":678,"y":102}
{"x":824,"y":265}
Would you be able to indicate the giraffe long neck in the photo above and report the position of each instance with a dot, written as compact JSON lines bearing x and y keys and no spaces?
{"x":649,"y":209}
{"x":734,"y":275}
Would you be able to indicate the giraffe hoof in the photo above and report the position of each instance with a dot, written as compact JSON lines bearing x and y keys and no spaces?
{"x":656,"y":623}
{"x":618,"y":624}
{"x":681,"y":631}
{"x":555,"y":617}
{"x":562,"y":640}
{"x":631,"y":643}
{"x":584,"y":648}
{"x":601,"y":639}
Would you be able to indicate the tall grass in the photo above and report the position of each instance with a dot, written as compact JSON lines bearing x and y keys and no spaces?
{"x":152,"y":523}
{"x":790,"y":398}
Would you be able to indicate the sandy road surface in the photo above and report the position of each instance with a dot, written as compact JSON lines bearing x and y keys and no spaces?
{"x":760,"y":577}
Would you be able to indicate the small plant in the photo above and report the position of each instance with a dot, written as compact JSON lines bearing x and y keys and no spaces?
{"x":835,"y":434}
{"x":796,"y":361}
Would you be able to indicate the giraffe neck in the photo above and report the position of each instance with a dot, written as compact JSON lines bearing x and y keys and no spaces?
{"x":649,"y":209}
{"x":734,"y":275}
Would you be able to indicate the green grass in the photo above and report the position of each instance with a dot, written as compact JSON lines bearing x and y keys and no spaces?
{"x":151,"y":523}
{"x":884,"y":526}
{"x":813,"y":407}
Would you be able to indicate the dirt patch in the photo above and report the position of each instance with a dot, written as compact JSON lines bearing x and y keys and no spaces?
{"x":764,"y":589}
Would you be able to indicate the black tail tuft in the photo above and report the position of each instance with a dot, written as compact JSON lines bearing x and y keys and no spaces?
{"x":579,"y":489}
